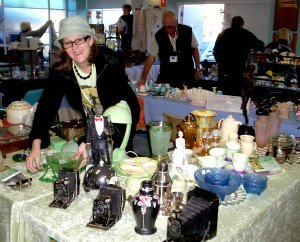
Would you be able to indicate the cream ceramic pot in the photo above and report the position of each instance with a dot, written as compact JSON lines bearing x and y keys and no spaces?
{"x":228,"y":126}
{"x":17,"y":112}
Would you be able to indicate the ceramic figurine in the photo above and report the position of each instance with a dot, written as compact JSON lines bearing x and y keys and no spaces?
{"x":178,"y":156}
{"x":99,"y":128}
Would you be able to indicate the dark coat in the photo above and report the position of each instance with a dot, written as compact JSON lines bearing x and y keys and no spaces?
{"x":112,"y":87}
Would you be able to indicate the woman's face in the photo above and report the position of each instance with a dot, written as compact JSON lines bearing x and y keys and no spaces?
{"x":81,"y":51}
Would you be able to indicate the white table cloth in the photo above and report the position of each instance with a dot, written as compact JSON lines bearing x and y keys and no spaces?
{"x":134,"y":73}
{"x":272,"y":216}
{"x":11,"y":201}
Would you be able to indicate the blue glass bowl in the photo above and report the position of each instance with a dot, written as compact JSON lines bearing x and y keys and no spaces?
{"x":216,"y":176}
{"x":254,"y":190}
{"x":255,"y":180}
{"x":235,"y":180}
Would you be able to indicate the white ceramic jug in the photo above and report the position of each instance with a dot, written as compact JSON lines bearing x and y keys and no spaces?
{"x":228,"y":125}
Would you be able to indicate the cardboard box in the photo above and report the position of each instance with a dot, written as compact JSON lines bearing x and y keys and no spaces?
{"x":226,"y":103}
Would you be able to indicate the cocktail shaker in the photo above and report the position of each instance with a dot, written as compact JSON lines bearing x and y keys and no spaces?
{"x":162,"y":184}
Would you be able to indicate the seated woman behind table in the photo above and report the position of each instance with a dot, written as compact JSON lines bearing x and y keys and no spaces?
{"x":87,"y":77}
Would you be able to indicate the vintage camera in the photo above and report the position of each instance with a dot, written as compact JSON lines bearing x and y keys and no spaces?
{"x":197,"y":221}
{"x":66,"y":188}
{"x":108,"y":207}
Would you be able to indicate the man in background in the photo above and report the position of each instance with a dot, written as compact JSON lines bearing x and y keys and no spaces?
{"x":231,"y":52}
{"x":125,"y":25}
{"x":177,"y":48}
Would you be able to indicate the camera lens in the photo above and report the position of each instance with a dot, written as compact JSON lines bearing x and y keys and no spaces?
{"x":100,"y":209}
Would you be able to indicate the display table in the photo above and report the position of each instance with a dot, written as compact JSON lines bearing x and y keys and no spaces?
{"x":12,"y":201}
{"x":134,"y":73}
{"x":272,"y":216}
{"x":154,"y":108}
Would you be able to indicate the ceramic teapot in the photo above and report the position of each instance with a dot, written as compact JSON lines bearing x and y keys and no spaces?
{"x":227,"y":126}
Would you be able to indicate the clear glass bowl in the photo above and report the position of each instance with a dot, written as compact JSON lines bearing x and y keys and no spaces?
{"x":235,"y":180}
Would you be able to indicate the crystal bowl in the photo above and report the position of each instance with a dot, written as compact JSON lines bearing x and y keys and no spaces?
{"x":235,"y":180}
{"x":217,"y":176}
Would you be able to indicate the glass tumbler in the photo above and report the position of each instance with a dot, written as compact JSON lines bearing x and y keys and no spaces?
{"x":160,"y":134}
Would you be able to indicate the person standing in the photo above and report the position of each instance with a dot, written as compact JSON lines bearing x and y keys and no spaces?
{"x":231,"y":51}
{"x":27,"y":31}
{"x":281,"y":43}
{"x":125,"y":25}
{"x":177,"y":48}
{"x":88,"y":78}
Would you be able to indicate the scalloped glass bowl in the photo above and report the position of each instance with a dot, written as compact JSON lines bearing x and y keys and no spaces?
{"x":61,"y":160}
{"x":234,"y":182}
{"x":255,"y":183}
{"x":217,"y":177}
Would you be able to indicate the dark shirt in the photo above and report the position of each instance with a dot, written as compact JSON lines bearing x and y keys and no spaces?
{"x":231,"y":52}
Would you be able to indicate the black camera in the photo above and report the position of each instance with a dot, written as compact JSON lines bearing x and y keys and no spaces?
{"x":108,"y":207}
{"x":66,"y":188}
{"x":197,"y":221}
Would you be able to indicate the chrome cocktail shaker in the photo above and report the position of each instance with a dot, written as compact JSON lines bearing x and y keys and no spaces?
{"x":162,"y":184}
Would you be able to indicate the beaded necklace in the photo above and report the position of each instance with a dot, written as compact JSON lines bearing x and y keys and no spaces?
{"x":80,"y":76}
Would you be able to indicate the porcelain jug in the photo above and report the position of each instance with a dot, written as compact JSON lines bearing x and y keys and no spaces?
{"x":228,"y":125}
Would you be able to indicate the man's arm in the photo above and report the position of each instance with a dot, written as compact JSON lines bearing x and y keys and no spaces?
{"x":196,"y":57}
{"x":147,"y":66}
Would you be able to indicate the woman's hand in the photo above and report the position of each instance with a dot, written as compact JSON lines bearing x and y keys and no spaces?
{"x":82,"y":151}
{"x":34,"y":157}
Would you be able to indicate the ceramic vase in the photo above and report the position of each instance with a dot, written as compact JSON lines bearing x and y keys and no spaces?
{"x":145,"y":206}
{"x":262,"y":127}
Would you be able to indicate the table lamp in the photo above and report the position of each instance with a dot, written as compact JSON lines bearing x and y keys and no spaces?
{"x":120,"y":114}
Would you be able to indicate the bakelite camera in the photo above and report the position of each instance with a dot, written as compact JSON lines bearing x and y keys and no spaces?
{"x":66,"y":188}
{"x":108,"y":207}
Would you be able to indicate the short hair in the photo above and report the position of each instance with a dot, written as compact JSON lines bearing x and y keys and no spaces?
{"x":25,"y":26}
{"x":284,"y":34}
{"x":127,"y":6}
{"x":237,"y":21}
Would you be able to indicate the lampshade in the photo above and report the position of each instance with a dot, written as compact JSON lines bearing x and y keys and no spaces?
{"x":120,"y":114}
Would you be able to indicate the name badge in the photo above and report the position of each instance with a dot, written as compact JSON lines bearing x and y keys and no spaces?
{"x":173,"y":59}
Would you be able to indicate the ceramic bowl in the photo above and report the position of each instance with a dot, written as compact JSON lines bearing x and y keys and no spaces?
{"x":217,"y":177}
{"x":235,"y":180}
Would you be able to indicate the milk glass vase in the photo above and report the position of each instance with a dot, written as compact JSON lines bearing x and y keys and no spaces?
{"x":160,"y":134}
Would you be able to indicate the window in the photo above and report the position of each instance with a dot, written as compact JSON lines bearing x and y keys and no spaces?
{"x":206,"y":21}
{"x":34,"y":11}
{"x":109,"y":16}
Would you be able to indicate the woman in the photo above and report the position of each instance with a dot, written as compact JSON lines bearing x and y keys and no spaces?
{"x":87,"y":78}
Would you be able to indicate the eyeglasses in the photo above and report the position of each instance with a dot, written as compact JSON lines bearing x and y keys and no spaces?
{"x":79,"y":41}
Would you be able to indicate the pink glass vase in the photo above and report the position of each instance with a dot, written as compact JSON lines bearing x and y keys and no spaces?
{"x":262,"y":127}
{"x":275,"y":123}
